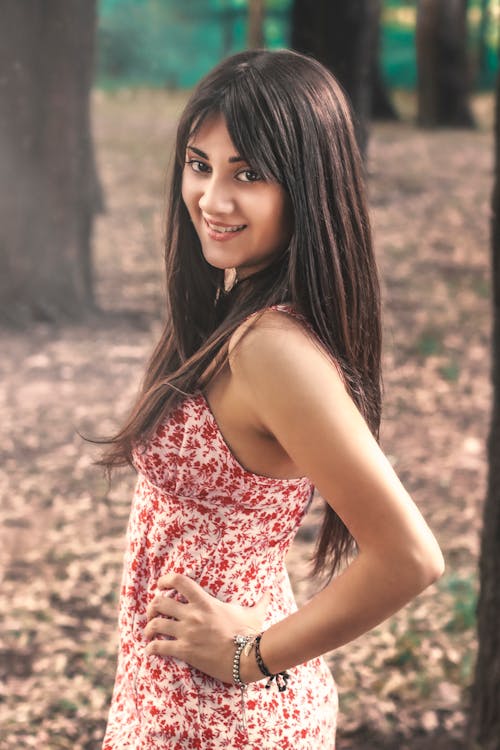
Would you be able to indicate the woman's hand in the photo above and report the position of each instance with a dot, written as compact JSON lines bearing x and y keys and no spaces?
{"x":202,"y":628}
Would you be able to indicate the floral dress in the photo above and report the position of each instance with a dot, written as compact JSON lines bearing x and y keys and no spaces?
{"x":198,"y":512}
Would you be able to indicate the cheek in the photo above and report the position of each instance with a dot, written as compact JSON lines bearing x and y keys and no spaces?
{"x":281,"y":221}
{"x":269,"y":213}
{"x":281,"y":212}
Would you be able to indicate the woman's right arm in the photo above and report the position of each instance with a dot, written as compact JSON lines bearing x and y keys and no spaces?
{"x":296,"y":393}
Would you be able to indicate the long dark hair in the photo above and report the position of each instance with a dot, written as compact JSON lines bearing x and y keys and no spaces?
{"x":288,"y":118}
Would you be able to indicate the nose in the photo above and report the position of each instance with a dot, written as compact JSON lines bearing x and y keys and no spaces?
{"x":216,"y":198}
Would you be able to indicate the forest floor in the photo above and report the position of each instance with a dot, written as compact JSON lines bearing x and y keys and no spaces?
{"x":404,"y":685}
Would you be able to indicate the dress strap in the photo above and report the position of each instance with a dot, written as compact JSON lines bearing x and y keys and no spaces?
{"x":285,"y":307}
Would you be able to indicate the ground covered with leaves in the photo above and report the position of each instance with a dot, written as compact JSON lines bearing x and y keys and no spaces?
{"x":404,"y":685}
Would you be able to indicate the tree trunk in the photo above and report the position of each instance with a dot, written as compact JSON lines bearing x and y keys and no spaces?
{"x":382,"y":105}
{"x":442,"y":64}
{"x":49,"y":190}
{"x":484,"y":719}
{"x":343,"y":35}
{"x":482,"y":40}
{"x":256,"y":23}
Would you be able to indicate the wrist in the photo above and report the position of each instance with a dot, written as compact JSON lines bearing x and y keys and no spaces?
{"x":252,"y":670}
{"x":249,"y":669}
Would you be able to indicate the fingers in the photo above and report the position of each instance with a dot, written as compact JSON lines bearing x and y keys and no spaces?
{"x":184,"y":585}
{"x":162,"y":648}
{"x":165,"y":605}
{"x":161,"y":626}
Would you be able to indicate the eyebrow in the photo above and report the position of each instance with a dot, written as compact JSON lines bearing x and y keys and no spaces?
{"x":199,"y":152}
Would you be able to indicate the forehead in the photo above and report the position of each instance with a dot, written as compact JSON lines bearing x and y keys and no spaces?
{"x":212,"y":135}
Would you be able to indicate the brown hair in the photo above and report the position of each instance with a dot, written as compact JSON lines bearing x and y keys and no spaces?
{"x":288,"y":118}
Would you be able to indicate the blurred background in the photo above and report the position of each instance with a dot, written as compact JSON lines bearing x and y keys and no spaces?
{"x":90,"y":93}
{"x":172,"y":44}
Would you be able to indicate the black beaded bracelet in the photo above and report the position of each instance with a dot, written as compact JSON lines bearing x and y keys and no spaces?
{"x":280,"y":677}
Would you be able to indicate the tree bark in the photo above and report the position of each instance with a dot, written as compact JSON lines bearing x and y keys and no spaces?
{"x":442,"y":64}
{"x":482,"y":47}
{"x":256,"y":12}
{"x":49,"y":189}
{"x":484,"y":718}
{"x":343,"y":35}
{"x":382,"y":105}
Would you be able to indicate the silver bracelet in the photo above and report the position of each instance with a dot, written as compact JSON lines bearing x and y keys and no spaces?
{"x":240,"y":641}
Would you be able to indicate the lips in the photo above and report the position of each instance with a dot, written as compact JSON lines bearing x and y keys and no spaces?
{"x":220,"y":231}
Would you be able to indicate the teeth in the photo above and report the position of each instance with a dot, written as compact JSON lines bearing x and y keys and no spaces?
{"x":223,"y":230}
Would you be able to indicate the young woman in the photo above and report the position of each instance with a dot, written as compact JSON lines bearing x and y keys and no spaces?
{"x":264,"y":385}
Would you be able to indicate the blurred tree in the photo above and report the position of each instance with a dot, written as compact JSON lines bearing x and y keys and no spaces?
{"x":227,"y":27}
{"x":255,"y":23}
{"x":382,"y":107}
{"x":484,"y":717}
{"x":482,"y":52}
{"x":442,"y":64}
{"x":49,"y":190}
{"x":344,"y":36}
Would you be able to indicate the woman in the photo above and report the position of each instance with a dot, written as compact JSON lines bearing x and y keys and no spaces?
{"x":265,"y":383}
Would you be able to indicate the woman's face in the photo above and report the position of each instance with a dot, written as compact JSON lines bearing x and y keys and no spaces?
{"x":242,"y":221}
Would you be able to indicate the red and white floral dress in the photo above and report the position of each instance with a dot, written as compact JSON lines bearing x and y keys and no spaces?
{"x":197,"y":511}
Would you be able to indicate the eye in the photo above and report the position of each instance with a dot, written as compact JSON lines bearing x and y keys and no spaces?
{"x":248,"y":175}
{"x":198,"y":166}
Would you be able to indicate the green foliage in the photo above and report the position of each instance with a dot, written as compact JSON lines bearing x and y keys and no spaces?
{"x":463,"y":614}
{"x":450,"y":371}
{"x":398,"y":42}
{"x":429,"y":342}
{"x":66,"y":707}
{"x":171,"y":44}
{"x":467,"y":666}
{"x":406,"y":650}
{"x":482,"y":288}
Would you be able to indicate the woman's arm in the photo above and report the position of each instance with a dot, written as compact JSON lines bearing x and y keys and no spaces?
{"x":293,"y":391}
{"x":298,"y":395}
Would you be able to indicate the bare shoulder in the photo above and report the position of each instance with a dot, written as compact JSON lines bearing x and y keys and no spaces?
{"x":274,"y":328}
{"x":261,"y":320}
{"x":276,"y":350}
{"x":269,"y":332}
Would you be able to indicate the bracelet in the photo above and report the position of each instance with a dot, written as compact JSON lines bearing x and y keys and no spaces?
{"x":240,"y":641}
{"x":280,"y":677}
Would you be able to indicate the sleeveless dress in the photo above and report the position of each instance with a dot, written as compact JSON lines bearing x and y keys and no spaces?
{"x":197,"y":511}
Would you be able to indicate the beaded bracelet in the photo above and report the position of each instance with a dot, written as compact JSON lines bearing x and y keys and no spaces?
{"x":280,"y":677}
{"x":246,"y":643}
{"x":240,"y":641}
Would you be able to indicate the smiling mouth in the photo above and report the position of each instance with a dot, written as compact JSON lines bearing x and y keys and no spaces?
{"x":220,"y":229}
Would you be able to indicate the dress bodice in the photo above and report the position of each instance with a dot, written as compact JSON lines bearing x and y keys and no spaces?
{"x":197,"y":508}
